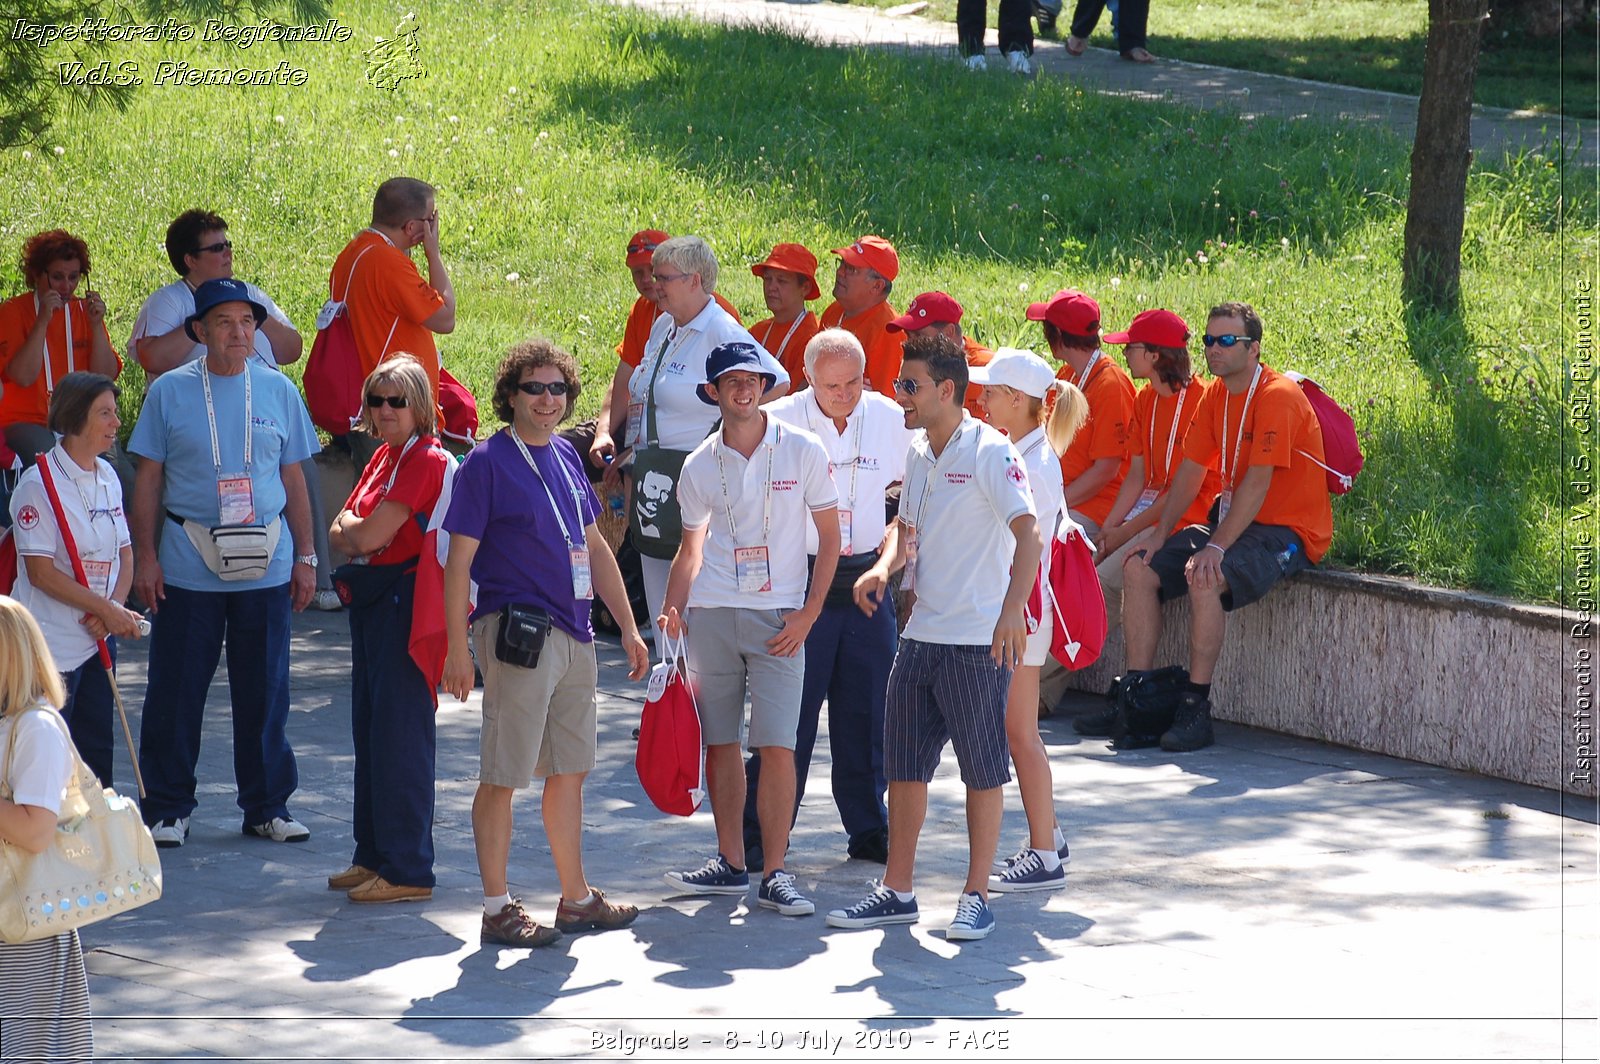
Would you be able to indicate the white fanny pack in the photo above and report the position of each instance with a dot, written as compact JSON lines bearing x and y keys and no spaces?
{"x":235,"y":552}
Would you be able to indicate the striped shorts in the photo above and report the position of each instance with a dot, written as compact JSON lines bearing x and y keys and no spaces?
{"x":939,"y":693}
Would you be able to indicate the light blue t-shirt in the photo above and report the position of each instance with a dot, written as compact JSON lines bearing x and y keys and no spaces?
{"x":173,"y":429}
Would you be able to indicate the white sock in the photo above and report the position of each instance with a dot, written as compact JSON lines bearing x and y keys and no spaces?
{"x":904,"y":895}
{"x":492,"y":906}
{"x":1051,"y":859}
{"x":1060,"y":839}
{"x":585,"y":900}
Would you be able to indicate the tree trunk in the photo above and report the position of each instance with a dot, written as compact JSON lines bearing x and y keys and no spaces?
{"x":1441,"y":155}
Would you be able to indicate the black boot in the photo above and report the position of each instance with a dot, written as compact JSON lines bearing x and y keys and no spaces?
{"x":1107,"y":722}
{"x":1191,"y":726}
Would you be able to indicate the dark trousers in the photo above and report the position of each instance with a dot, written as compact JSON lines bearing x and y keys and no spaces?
{"x":848,"y":657}
{"x":1016,"y":29}
{"x":186,"y":644}
{"x":392,"y":722}
{"x":88,"y":712}
{"x":1132,"y":18}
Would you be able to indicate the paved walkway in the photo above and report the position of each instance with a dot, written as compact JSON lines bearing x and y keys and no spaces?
{"x":1494,"y":130}
{"x":1267,"y":898}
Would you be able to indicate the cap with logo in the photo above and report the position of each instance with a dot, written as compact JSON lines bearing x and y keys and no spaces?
{"x":725,"y":358}
{"x":795,"y":258}
{"x":214,"y":293}
{"x":642,"y":245}
{"x":930,"y":308}
{"x":1068,"y":310}
{"x":872,"y":253}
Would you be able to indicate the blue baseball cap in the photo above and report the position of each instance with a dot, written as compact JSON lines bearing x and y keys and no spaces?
{"x":731,"y":356}
{"x":216,"y":292}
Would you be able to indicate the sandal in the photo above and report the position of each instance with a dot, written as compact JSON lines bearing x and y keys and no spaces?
{"x":1138,"y":55}
{"x":1075,"y":45}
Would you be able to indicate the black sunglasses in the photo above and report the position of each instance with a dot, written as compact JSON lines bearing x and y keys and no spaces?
{"x":557,"y":388}
{"x":397,"y":402}
{"x":907,"y":385}
{"x":634,"y":249}
{"x":219,"y":247}
{"x":1225,"y":340}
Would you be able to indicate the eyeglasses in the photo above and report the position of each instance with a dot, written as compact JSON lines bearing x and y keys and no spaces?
{"x":634,"y":249}
{"x":1225,"y":340}
{"x":662,"y":278}
{"x":555,"y":388}
{"x":907,"y":385}
{"x":218,"y":248}
{"x":396,"y":402}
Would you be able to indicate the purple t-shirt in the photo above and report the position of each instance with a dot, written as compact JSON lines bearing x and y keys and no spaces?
{"x":522,"y":556}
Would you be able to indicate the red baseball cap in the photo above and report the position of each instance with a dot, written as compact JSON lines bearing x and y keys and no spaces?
{"x":1068,"y":310}
{"x":872,"y":253}
{"x":642,"y":246}
{"x":796,"y":258}
{"x":930,"y":308}
{"x":1161,"y":328}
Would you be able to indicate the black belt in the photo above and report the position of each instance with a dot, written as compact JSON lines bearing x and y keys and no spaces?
{"x":842,"y":591}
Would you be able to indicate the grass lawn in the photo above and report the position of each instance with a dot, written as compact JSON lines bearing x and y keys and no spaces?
{"x":1371,"y":44}
{"x":554,"y":132}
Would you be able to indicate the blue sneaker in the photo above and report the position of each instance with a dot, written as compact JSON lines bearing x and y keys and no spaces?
{"x":1002,"y":863}
{"x":716,"y":876}
{"x":779,"y":892}
{"x":1028,"y":872}
{"x":973,"y":919}
{"x":880,"y":907}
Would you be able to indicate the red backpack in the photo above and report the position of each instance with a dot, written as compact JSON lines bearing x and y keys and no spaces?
{"x":670,"y":759}
{"x":8,"y":561}
{"x":1340,"y":446}
{"x":1076,"y":599}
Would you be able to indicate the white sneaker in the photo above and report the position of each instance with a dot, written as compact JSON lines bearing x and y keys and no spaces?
{"x":1018,"y":61}
{"x":977,"y":63}
{"x":327,"y":599}
{"x":171,"y":833}
{"x":280,"y":829}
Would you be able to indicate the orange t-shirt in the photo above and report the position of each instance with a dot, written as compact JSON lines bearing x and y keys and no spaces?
{"x":1154,"y":438}
{"x":387,"y":304}
{"x":1107,"y":434}
{"x":789,"y":349}
{"x":643,"y":315}
{"x":881,"y":345}
{"x":1279,"y":425}
{"x":30,"y":404}
{"x":977,"y":355}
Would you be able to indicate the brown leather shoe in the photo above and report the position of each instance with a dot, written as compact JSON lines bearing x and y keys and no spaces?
{"x":512,"y":926}
{"x":597,"y":915}
{"x":351,"y":878}
{"x":379,"y":891}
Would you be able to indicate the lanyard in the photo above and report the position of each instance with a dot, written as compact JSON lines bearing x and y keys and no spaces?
{"x":395,"y":472}
{"x":49,"y":375}
{"x":211,"y":418}
{"x":562,"y":521}
{"x":1172,"y":436}
{"x":88,"y":506}
{"x":778,"y":354}
{"x":1230,"y":470}
{"x":927,"y":484}
{"x":1082,"y":379}
{"x":855,"y":444}
{"x":668,"y":345}
{"x":766,"y":495}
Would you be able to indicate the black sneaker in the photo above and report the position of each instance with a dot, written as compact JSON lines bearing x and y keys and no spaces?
{"x":1191,"y":726}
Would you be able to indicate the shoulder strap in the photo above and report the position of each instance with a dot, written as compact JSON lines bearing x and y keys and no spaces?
{"x":66,"y":538}
{"x":652,"y":437}
{"x":351,"y":276}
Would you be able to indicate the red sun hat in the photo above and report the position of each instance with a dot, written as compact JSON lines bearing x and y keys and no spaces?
{"x":930,"y":308}
{"x":1159,"y":328}
{"x":642,"y":246}
{"x":1068,"y":310}
{"x":795,"y":258}
{"x":872,"y":253}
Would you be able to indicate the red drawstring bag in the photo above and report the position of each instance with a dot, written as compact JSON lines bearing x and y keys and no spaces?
{"x":670,"y":759}
{"x":460,"y":409}
{"x":8,"y":562}
{"x":1340,"y":446}
{"x":1078,"y":601}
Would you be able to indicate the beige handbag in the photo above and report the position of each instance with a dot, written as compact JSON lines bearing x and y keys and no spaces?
{"x":102,"y":862}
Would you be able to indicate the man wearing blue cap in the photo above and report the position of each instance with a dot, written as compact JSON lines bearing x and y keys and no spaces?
{"x":737,"y":587}
{"x":221,"y":489}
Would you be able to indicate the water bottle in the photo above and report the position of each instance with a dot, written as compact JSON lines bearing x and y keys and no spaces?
{"x":1286,"y":557}
{"x":614,"y":500}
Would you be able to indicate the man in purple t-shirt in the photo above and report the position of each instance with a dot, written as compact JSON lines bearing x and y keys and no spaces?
{"x":521,"y":524}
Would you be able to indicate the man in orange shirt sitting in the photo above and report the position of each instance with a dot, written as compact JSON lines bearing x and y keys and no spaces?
{"x":867,"y":269}
{"x":788,"y":280}
{"x":938,"y":313}
{"x":1272,"y":520}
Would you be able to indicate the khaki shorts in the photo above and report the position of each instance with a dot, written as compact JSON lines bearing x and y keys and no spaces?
{"x":536,"y":722}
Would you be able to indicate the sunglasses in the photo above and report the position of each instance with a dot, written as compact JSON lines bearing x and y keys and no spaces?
{"x":634,"y":249}
{"x":907,"y":385}
{"x":396,"y":402}
{"x":556,"y":388}
{"x":219,"y":247}
{"x":1225,"y":340}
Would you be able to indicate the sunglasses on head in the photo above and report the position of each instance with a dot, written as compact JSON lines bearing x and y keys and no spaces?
{"x":219,"y":247}
{"x":634,"y":249}
{"x":397,"y":402}
{"x":555,"y":388}
{"x":1225,"y":340}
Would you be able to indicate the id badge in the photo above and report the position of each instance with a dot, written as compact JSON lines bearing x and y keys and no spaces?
{"x":1224,"y":501}
{"x":751,"y":568}
{"x":908,"y":576}
{"x":846,"y":546}
{"x":1146,"y":497}
{"x":635,"y":420}
{"x":98,"y":574}
{"x":236,"y":501}
{"x":582,"y":583}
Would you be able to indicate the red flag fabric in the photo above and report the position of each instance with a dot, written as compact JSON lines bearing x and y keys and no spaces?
{"x":429,"y":639}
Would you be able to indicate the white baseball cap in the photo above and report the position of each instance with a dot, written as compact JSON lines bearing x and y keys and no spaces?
{"x":1016,"y":368}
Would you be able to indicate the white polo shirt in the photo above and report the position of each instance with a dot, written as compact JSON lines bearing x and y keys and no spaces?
{"x":865,"y":458}
{"x":1043,"y":466}
{"x":169,"y":306}
{"x":718,"y":481}
{"x":92,"y":501}
{"x":961,"y":506}
{"x":682,"y":420}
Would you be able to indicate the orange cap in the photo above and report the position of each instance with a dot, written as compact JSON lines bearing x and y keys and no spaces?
{"x":872,"y":253}
{"x":796,"y":258}
{"x":642,"y":246}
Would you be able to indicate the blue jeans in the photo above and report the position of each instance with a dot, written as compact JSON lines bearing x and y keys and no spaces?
{"x":88,"y":712}
{"x":185,"y":648}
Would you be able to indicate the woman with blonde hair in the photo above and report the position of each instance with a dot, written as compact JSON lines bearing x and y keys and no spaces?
{"x":1023,"y":399}
{"x":44,"y":993}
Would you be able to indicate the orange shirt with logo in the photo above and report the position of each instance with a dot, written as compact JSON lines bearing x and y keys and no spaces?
{"x":29,"y":404}
{"x":643,"y":315}
{"x":1108,"y":433}
{"x":387,"y":304}
{"x":977,"y":355}
{"x":1279,"y":425}
{"x":1153,"y":433}
{"x":881,"y":345}
{"x":788,"y":349}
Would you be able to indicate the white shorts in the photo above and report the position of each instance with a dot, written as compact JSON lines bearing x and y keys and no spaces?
{"x":1037,"y":651}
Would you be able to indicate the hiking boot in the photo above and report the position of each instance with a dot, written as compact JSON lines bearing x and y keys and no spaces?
{"x":1028,"y":872}
{"x":379,"y":891}
{"x":512,"y":926}
{"x":351,"y":878}
{"x":716,"y":876}
{"x":779,"y":892}
{"x":1191,"y":726}
{"x":973,"y":919}
{"x":1105,"y":724}
{"x":880,"y":907}
{"x":279,"y":829}
{"x":171,"y":833}
{"x":597,"y":915}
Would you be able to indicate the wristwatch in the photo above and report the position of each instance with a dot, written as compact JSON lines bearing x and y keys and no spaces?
{"x":306,"y":559}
